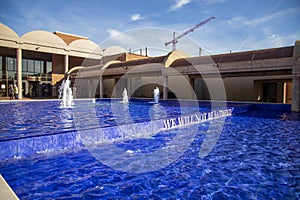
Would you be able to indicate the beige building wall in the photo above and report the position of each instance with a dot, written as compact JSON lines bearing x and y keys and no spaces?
{"x":240,"y":88}
{"x":108,"y":88}
{"x":180,"y":86}
{"x":144,"y":86}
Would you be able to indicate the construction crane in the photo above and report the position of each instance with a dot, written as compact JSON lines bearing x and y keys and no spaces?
{"x":175,"y":39}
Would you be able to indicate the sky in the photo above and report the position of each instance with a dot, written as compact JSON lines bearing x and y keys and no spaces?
{"x":239,"y":25}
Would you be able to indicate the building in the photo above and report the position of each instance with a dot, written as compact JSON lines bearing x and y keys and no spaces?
{"x":39,"y":60}
{"x":268,"y":75}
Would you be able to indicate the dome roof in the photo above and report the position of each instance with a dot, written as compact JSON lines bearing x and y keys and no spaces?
{"x":85,"y":46}
{"x":8,"y":33}
{"x":43,"y":38}
{"x":113,"y":50}
{"x":9,"y":38}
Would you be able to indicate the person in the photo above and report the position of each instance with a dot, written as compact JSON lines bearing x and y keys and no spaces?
{"x":11,"y":92}
{"x":16,"y":91}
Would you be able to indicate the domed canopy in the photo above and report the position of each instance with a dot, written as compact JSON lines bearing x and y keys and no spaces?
{"x":174,"y":55}
{"x":7,"y":32}
{"x":43,"y":41}
{"x":113,"y":50}
{"x":8,"y":37}
{"x":87,"y":47}
{"x":43,"y":38}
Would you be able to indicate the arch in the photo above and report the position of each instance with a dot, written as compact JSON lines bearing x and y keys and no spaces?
{"x":8,"y":37}
{"x":8,"y":33}
{"x":86,"y":46}
{"x":113,"y":50}
{"x":43,"y":38}
{"x":106,"y":65}
{"x":74,"y":69}
{"x":174,"y":55}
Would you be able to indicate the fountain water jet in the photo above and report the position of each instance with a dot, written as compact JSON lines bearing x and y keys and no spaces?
{"x":156,"y":95}
{"x":65,"y":93}
{"x":125,"y":96}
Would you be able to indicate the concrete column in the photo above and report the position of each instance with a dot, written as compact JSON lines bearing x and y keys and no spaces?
{"x":66,"y":63}
{"x":165,"y":89}
{"x":284,"y":92}
{"x":296,"y":77}
{"x":101,"y":86}
{"x":295,"y":95}
{"x":19,"y":72}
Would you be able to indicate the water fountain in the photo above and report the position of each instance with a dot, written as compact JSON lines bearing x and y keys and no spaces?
{"x":125,"y":96}
{"x":156,"y":95}
{"x":65,"y":93}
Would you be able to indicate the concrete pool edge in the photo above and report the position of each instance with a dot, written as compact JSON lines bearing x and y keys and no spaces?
{"x":6,"y":191}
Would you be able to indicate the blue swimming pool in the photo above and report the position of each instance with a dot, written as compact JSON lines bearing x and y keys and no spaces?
{"x":34,"y":118}
{"x":256,"y":156}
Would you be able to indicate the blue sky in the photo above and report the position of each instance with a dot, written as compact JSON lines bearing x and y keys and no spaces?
{"x":132,"y":24}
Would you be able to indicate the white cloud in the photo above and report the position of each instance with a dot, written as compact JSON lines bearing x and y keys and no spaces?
{"x":273,"y":38}
{"x":242,"y":21}
{"x":179,"y":3}
{"x":113,"y":32}
{"x":277,"y":4}
{"x":119,"y":38}
{"x":135,"y":17}
{"x":153,"y":38}
{"x":211,"y":2}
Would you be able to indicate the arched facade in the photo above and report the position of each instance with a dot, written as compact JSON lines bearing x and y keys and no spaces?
{"x":38,"y":60}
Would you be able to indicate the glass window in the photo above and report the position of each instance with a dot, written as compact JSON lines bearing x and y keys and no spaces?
{"x":1,"y":68}
{"x":37,"y":66}
{"x":11,"y":75}
{"x":24,"y":65}
{"x":42,"y":67}
{"x":1,"y":64}
{"x":11,"y":64}
{"x":49,"y":67}
{"x":30,"y":65}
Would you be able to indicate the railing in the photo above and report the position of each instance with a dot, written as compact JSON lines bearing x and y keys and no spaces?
{"x":37,"y":77}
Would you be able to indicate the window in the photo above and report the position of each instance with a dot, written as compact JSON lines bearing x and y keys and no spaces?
{"x":30,"y":65}
{"x":11,"y":75}
{"x":11,"y":64}
{"x":37,"y":66}
{"x":1,"y":63}
{"x":24,"y":65}
{"x":42,"y":67}
{"x":1,"y":67}
{"x":49,"y":67}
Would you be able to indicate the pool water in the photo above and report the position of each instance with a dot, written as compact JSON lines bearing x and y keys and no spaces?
{"x":257,"y":156}
{"x":36,"y":118}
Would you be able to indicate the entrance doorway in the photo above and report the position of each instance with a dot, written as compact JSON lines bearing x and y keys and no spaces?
{"x":269,"y":92}
{"x":33,"y":89}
